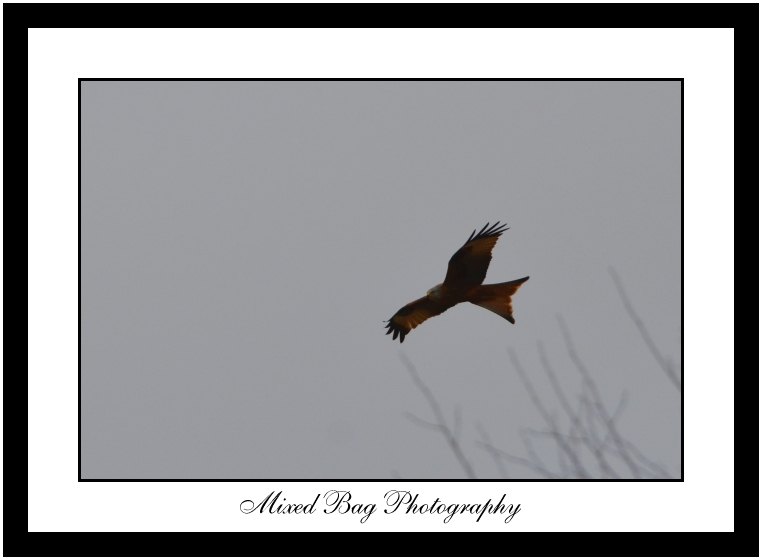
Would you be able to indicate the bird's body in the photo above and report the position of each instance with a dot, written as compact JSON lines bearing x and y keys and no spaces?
{"x":463,"y":283}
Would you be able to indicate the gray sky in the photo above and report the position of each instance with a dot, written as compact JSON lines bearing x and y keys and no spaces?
{"x":242,"y":243}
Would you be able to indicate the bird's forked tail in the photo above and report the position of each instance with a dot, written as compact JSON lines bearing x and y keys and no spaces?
{"x":497,"y":297}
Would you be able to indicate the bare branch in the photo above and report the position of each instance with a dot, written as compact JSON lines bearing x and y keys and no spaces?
{"x":452,"y":441}
{"x":656,"y":468}
{"x":615,"y":415}
{"x":663,"y":362}
{"x":574,"y":417}
{"x":591,"y":433}
{"x":550,"y":372}
{"x":597,"y":400}
{"x":563,"y":463}
{"x":523,"y":433}
{"x":457,"y":422}
{"x":518,"y":460}
{"x":491,"y":450}
{"x":423,"y":423}
{"x":650,"y":465}
{"x":549,"y":420}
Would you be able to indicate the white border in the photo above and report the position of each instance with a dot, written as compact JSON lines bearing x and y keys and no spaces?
{"x":57,"y":57}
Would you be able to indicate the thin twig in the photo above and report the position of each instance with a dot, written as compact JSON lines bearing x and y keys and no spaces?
{"x":656,"y":469}
{"x":529,"y":446}
{"x":649,"y":464}
{"x":550,"y":372}
{"x":549,"y":420}
{"x":563,"y":463}
{"x":663,"y":362}
{"x":518,"y":460}
{"x":574,"y":417}
{"x":421,"y":422}
{"x":615,"y":416}
{"x":457,"y":422}
{"x":597,"y":400}
{"x":491,"y":450}
{"x":441,"y":424}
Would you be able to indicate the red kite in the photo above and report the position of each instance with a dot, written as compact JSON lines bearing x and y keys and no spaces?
{"x":463,"y":282}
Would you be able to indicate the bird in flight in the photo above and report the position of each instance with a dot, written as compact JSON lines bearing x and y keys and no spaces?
{"x":465,"y":273}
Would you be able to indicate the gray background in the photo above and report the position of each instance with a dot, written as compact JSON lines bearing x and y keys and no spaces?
{"x":242,"y":242}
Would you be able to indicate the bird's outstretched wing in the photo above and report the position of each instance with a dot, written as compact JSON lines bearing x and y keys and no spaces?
{"x":468,"y":266}
{"x":412,"y":315}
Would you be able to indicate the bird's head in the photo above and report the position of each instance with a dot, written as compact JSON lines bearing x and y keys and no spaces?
{"x":435,"y":292}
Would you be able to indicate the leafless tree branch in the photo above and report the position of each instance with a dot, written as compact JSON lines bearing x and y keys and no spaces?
{"x":663,"y":362}
{"x":441,"y":424}
{"x":529,"y":446}
{"x":422,"y":423}
{"x":586,"y":435}
{"x":549,"y":420}
{"x":574,"y":417}
{"x":518,"y":460}
{"x":597,"y":400}
{"x":457,"y":422}
{"x":654,"y":469}
{"x":487,"y":445}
